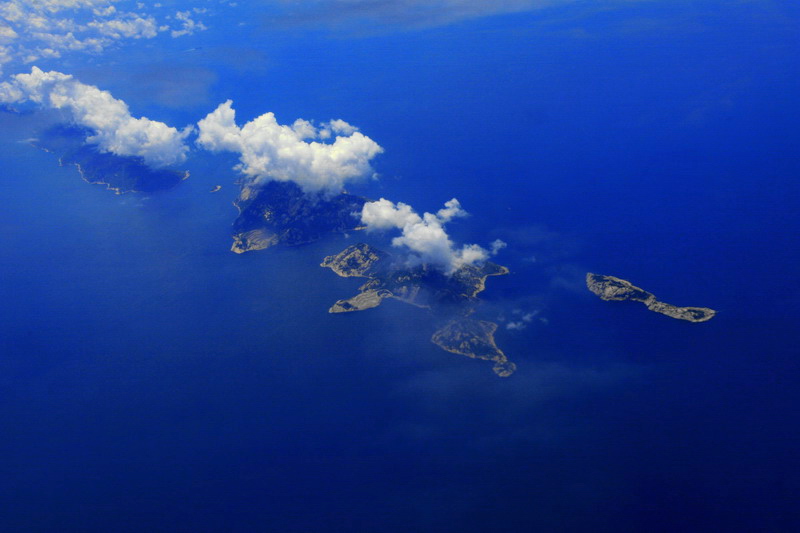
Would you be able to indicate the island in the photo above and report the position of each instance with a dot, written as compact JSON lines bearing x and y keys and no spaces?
{"x":616,"y":289}
{"x":451,"y":298}
{"x":475,"y":339}
{"x":216,"y":188}
{"x":121,"y":174}
{"x":280,"y":212}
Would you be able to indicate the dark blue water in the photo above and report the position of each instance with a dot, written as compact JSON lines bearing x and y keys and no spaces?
{"x":150,"y":380}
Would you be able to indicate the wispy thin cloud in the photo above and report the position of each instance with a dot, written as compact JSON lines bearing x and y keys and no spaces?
{"x":403,"y":13}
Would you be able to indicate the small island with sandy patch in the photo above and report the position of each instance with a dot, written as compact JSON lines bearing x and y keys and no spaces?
{"x":453,"y":295}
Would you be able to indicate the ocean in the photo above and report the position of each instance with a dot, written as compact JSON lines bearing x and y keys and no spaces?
{"x":151,"y":380}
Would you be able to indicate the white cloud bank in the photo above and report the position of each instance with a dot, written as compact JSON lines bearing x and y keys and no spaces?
{"x":425,"y":235}
{"x":321,"y":158}
{"x":116,"y":131}
{"x":31,"y":30}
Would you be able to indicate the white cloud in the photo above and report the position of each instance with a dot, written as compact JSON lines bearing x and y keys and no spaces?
{"x":188,"y":25}
{"x":384,"y":214}
{"x":5,"y":55}
{"x":7,"y":34}
{"x":341,"y":127}
{"x":425,"y":235}
{"x":523,"y":319}
{"x":115,"y":129}
{"x":272,"y":151}
{"x":128,"y":26}
{"x":105,"y":11}
{"x":497,"y":245}
{"x":34,"y":29}
{"x":55,"y":6}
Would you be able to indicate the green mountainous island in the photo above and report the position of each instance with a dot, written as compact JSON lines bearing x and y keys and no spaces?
{"x":120,"y":174}
{"x":280,"y":212}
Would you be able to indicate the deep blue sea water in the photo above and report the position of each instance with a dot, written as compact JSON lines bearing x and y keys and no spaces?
{"x":153,"y":381}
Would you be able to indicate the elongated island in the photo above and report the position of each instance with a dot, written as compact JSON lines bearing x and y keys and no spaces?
{"x":616,"y":289}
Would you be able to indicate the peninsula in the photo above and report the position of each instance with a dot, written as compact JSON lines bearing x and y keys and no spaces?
{"x":453,"y":295}
{"x":120,"y":174}
{"x":611,"y":288}
{"x":475,"y":339}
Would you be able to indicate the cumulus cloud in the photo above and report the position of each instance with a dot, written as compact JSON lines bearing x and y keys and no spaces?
{"x":128,"y":26}
{"x":425,"y":235}
{"x":115,"y":130}
{"x":7,"y":34}
{"x":321,"y":158}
